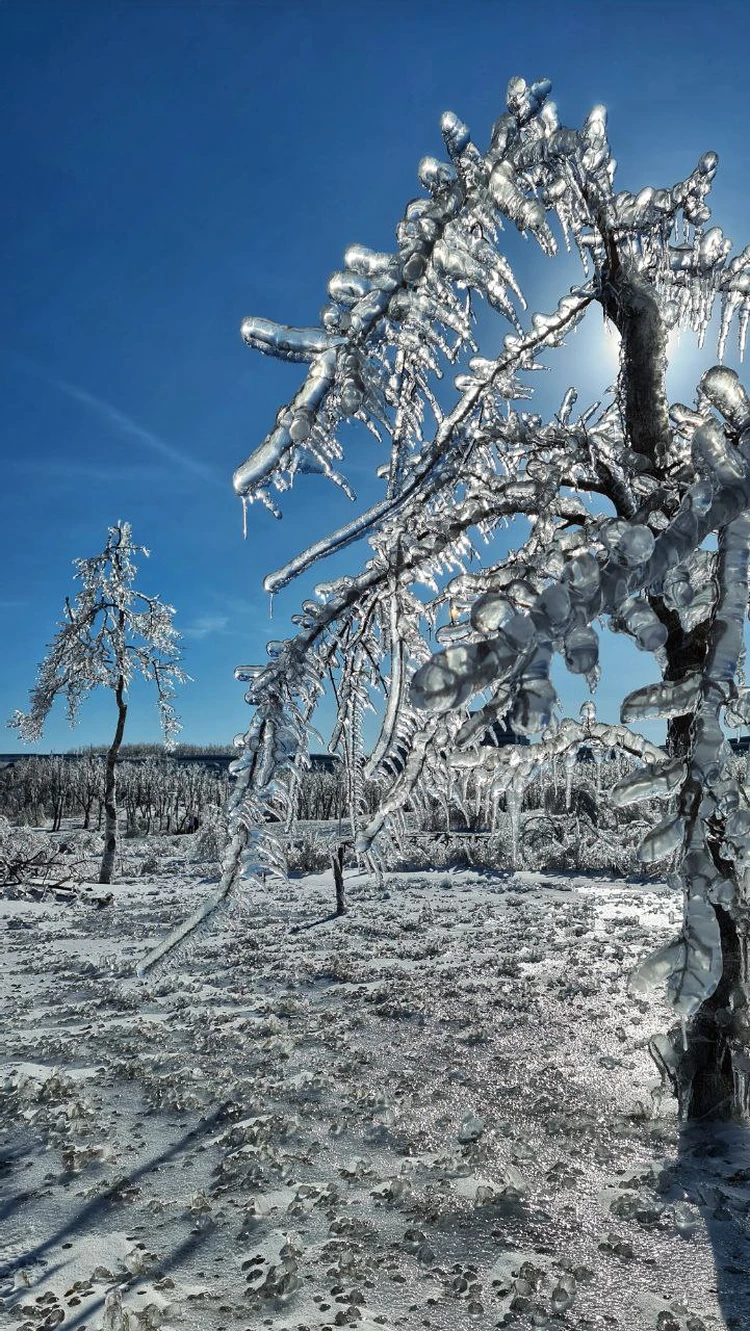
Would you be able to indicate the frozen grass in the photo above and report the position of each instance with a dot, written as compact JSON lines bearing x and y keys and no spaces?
{"x":436,"y":1111}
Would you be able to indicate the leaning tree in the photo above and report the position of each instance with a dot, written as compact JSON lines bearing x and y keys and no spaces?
{"x":110,"y":632}
{"x":637,"y":516}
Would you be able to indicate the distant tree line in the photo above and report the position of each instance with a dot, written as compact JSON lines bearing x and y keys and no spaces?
{"x":176,"y":751}
{"x":161,"y":793}
{"x":155,"y":794}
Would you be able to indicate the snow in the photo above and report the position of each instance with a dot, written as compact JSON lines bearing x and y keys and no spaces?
{"x":438,"y":1110}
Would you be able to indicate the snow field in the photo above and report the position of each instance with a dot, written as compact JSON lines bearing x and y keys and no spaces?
{"x":436,"y":1111}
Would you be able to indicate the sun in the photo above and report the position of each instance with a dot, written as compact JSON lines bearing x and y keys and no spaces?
{"x":608,"y":352}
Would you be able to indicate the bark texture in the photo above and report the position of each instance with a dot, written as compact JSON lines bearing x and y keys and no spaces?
{"x":337,"y":864}
{"x":634,"y":310}
{"x":110,"y":788}
{"x":710,"y":1088}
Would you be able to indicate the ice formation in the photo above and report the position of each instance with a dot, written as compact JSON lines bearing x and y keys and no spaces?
{"x":455,"y":470}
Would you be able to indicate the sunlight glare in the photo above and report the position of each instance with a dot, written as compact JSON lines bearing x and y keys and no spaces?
{"x":608,"y":351}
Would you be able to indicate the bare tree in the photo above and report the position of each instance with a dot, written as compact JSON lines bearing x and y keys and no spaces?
{"x":111,"y":632}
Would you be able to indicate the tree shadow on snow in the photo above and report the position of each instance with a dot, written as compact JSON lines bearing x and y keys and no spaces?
{"x":155,"y":1272}
{"x":713,"y":1169}
{"x":314,"y":924}
{"x":87,"y":1217}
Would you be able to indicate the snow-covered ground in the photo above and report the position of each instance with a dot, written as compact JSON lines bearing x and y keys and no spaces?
{"x":437,"y":1111}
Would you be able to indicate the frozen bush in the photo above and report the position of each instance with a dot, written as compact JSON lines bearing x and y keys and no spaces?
{"x":210,"y":841}
{"x":308,"y":854}
{"x":30,"y":857}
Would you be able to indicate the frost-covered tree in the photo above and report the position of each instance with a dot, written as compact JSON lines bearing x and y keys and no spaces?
{"x":110,"y":632}
{"x":636,"y":517}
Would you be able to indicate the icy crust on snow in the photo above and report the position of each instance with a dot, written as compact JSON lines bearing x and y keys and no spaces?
{"x":436,"y":1111}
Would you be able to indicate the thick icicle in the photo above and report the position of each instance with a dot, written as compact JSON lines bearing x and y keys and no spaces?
{"x":662,"y":701}
{"x":654,"y":781}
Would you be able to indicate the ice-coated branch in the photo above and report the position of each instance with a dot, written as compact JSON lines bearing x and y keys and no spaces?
{"x":110,"y":629}
{"x":411,"y":774}
{"x":515,"y":651}
{"x":110,"y":633}
{"x":693,"y":965}
{"x":491,"y":534}
{"x":635,"y":560}
{"x":264,"y":773}
{"x":387,"y":310}
{"x":294,"y":344}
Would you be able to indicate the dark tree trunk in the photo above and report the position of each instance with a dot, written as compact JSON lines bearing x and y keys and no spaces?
{"x":710,"y":1085}
{"x":705,"y":1083}
{"x":633,"y":307}
{"x":110,"y":788}
{"x":709,"y":1081}
{"x":337,"y":864}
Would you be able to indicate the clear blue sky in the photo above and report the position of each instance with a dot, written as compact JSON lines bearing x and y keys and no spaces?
{"x":170,"y":168}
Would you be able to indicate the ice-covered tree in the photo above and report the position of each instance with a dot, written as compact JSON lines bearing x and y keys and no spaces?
{"x":636,"y":517}
{"x":110,"y":633}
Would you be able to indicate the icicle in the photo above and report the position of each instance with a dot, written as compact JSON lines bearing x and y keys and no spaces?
{"x":666,"y":837}
{"x":570,"y":762}
{"x":653,"y":781}
{"x":513,"y":799}
{"x":672,"y":698}
{"x":724,"y":391}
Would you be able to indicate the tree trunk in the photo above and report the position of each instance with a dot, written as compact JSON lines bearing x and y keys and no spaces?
{"x":110,"y":788}
{"x":633,"y":307}
{"x":711,"y":1057}
{"x":710,"y":1089}
{"x":712,"y":1077}
{"x":337,"y":864}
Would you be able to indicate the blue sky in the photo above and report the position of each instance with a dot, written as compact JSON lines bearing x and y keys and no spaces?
{"x":170,"y":168}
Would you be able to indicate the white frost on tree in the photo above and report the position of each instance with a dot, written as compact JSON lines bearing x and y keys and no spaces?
{"x":110,"y":633}
{"x":620,"y":504}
